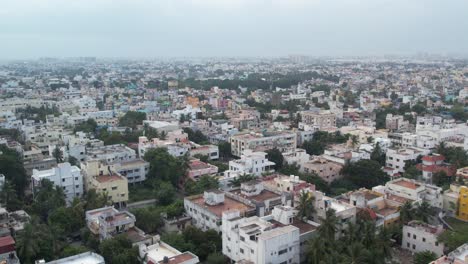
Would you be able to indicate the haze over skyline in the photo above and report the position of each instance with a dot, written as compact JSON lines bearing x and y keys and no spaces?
{"x":138,"y":28}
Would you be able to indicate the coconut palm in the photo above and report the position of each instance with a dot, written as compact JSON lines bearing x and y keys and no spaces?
{"x":354,"y":253}
{"x":27,"y":243}
{"x":305,"y":205}
{"x":329,"y":225}
{"x":406,"y":212}
{"x":424,"y":211}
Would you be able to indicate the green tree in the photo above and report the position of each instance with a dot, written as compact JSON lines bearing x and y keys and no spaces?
{"x":329,"y":225}
{"x":306,"y":205}
{"x":378,"y":155}
{"x":165,"y":193}
{"x":119,"y":250}
{"x":148,"y":219}
{"x":164,"y":166}
{"x":27,"y":244}
{"x":406,"y":212}
{"x":132,"y":119}
{"x":274,"y":155}
{"x":365,"y":173}
{"x":424,"y":212}
{"x":424,"y":257}
{"x":58,"y":155}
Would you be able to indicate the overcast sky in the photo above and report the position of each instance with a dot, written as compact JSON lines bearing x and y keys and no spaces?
{"x":153,"y":28}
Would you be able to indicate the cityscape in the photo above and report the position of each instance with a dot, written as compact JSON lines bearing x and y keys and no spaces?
{"x":275,"y":154}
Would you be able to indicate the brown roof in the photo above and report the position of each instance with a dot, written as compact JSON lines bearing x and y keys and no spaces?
{"x":108,"y":178}
{"x":263,"y":196}
{"x":407,"y":184}
{"x":179,"y":258}
{"x":303,"y":226}
{"x":229,"y":204}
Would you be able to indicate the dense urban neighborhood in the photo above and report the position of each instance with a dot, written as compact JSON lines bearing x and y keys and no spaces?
{"x":237,"y":160}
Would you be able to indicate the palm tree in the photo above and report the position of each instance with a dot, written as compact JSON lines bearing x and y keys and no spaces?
{"x":354,"y":253}
{"x":367,"y":233}
{"x":424,"y":211}
{"x":27,"y":243}
{"x":328,"y":226}
{"x":406,"y":212}
{"x":305,"y":205}
{"x":316,"y":251}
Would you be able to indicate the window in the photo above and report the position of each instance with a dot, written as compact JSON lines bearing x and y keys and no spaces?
{"x":409,"y":235}
{"x":114,"y":188}
{"x":414,"y":246}
{"x":281,"y":252}
{"x":424,"y":239}
{"x":407,"y":245}
{"x":414,"y":236}
{"x":437,"y":244}
{"x":242,"y":251}
{"x":242,"y":238}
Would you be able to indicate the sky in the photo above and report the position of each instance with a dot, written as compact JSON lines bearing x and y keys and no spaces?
{"x":253,"y":28}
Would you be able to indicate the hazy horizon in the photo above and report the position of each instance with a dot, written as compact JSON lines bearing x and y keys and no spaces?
{"x":231,"y":28}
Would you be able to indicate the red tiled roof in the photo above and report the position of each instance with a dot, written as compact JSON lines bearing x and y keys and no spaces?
{"x":433,"y":158}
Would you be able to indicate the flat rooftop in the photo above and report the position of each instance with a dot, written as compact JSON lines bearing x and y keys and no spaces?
{"x":406,"y":184}
{"x":263,"y":196}
{"x":228,"y":204}
{"x":108,"y":178}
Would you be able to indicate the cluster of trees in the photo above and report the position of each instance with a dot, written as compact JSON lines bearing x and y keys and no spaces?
{"x":132,"y":119}
{"x":207,"y":245}
{"x":52,"y":223}
{"x":37,"y":113}
{"x":196,"y":136}
{"x":361,"y":243}
{"x":453,"y":155}
{"x":89,"y":126}
{"x":11,"y":165}
{"x":149,"y":219}
{"x":364,"y":173}
{"x":321,"y":139}
{"x":258,"y":81}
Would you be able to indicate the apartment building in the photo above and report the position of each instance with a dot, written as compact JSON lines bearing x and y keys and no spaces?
{"x":395,"y":122}
{"x":434,"y":164}
{"x":254,"y":163}
{"x":33,"y":159}
{"x":104,"y":180}
{"x":277,"y":238}
{"x":412,"y":190}
{"x":121,"y":159}
{"x":64,"y":176}
{"x":284,"y":141}
{"x":419,"y":237}
{"x":206,"y":209}
{"x":397,"y":158}
{"x":197,"y":169}
{"x":318,"y":120}
{"x":326,"y":169}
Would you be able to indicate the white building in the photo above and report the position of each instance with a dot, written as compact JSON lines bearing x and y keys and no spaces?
{"x":206,"y":209}
{"x":284,"y":141}
{"x":396,"y":158}
{"x":269,"y":239}
{"x":87,"y":257}
{"x":419,"y":237}
{"x":161,"y":252}
{"x":413,"y":190}
{"x":65,"y":176}
{"x":254,"y":163}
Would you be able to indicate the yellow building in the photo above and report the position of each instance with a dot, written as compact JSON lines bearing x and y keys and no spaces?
{"x":463,"y":203}
{"x":104,"y":180}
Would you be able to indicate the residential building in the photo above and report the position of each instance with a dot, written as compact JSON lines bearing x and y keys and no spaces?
{"x":106,"y":181}
{"x":463,"y":203}
{"x":86,"y":257}
{"x":206,"y":209}
{"x":412,"y":190}
{"x":397,"y":158}
{"x":161,"y":252}
{"x":277,"y":238}
{"x":326,"y":169}
{"x":458,"y":256}
{"x":419,"y":237}
{"x":283,"y":141}
{"x":395,"y":122}
{"x":8,"y":250}
{"x":254,"y":163}
{"x":65,"y":176}
{"x":107,"y":222}
{"x":435,"y":164}
{"x":318,"y":120}
{"x":197,"y":169}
